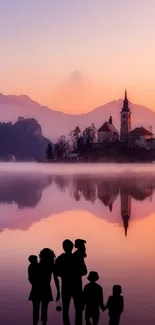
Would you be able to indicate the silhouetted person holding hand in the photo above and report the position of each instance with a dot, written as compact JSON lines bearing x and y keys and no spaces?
{"x":41,"y":293}
{"x":81,"y":249}
{"x":71,"y":269}
{"x":92,"y":299}
{"x":115,"y":305}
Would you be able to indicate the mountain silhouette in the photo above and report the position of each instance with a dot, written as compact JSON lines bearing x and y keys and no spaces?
{"x":55,"y":123}
{"x":22,"y":139}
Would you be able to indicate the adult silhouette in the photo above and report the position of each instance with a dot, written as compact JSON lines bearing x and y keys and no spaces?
{"x":40,"y":275}
{"x":71,"y":269}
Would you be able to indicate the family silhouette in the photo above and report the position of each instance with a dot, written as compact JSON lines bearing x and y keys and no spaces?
{"x":70,"y":267}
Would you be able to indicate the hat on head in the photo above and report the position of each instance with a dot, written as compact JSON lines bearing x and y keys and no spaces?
{"x":93,"y":276}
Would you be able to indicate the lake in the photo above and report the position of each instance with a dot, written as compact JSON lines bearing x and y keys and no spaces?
{"x":111,"y":206}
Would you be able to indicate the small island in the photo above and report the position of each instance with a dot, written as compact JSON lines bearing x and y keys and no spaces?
{"x":105,"y":144}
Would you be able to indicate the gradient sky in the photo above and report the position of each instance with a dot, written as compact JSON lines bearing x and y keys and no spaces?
{"x":73,"y":55}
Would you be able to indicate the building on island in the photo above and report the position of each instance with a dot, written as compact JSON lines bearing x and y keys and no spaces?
{"x":136,"y":138}
{"x":140,"y":138}
{"x":108,"y":133}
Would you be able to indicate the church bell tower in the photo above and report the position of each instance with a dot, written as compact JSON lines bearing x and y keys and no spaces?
{"x":125,"y":119}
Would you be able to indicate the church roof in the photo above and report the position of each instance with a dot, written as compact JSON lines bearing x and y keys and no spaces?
{"x":107,"y":127}
{"x":140,"y":131}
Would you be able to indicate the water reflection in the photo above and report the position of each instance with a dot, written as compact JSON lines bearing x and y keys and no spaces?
{"x":62,"y":193}
{"x":41,"y":210}
{"x":23,"y":190}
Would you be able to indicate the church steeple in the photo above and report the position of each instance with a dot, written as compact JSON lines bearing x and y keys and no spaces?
{"x":110,"y":119}
{"x":126,"y":94}
{"x":125,"y":119}
{"x":126,"y":103}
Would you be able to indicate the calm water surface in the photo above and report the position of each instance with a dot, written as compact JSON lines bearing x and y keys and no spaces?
{"x":113,"y":208}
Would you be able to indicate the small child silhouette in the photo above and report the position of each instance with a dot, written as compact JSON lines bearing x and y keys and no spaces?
{"x":115,"y":305}
{"x":92,"y":299}
{"x":81,"y":249}
{"x":33,"y":268}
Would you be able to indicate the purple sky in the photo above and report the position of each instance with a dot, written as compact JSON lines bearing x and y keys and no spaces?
{"x":110,"y":43}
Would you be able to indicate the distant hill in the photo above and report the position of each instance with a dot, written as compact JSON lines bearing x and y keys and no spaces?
{"x":55,"y":123}
{"x":22,"y":139}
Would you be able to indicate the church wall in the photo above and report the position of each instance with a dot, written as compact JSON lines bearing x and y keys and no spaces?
{"x":107,"y":137}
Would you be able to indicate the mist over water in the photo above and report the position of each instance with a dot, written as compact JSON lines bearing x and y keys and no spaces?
{"x":109,"y":205}
{"x":109,"y":169}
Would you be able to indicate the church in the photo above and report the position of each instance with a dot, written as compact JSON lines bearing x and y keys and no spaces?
{"x":138,"y":137}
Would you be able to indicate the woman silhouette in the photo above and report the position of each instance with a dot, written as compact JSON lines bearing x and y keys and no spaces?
{"x":41,"y":293}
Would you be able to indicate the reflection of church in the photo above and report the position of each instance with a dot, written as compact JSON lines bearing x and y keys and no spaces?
{"x":109,"y":190}
{"x":107,"y":193}
{"x":125,"y":208}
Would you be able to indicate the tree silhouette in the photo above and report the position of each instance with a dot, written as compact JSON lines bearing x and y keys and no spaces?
{"x":62,"y":147}
{"x":49,"y":152}
{"x":74,"y":136}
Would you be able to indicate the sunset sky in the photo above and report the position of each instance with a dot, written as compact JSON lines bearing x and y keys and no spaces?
{"x":73,"y":55}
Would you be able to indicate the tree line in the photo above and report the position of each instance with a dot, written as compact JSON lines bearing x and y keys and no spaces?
{"x":77,"y":141}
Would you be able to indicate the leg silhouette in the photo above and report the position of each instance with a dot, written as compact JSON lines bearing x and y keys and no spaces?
{"x":44,"y":311}
{"x":114,"y":320}
{"x":88,"y":321}
{"x":36,"y":306}
{"x":65,"y":309}
{"x":77,"y":297}
{"x":95,"y":317}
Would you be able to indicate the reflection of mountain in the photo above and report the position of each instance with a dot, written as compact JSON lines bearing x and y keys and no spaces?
{"x":22,"y":190}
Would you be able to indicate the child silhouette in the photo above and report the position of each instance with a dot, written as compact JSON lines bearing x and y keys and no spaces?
{"x":92,"y":299}
{"x":81,"y":249}
{"x":33,"y":268}
{"x":115,"y":305}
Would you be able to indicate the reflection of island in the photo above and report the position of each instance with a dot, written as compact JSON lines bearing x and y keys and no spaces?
{"x":25,"y":191}
{"x":83,"y":187}
{"x":107,"y":198}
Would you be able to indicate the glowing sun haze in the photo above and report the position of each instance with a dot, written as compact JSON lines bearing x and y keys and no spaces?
{"x":73,"y":55}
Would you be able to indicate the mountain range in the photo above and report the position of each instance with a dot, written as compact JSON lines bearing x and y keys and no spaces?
{"x":55,"y":123}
